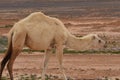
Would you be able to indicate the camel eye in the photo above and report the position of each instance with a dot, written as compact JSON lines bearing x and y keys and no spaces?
{"x":99,"y":41}
{"x":93,"y":37}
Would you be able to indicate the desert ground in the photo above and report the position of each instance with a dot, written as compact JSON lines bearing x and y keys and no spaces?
{"x":81,"y":17}
{"x":77,"y":66}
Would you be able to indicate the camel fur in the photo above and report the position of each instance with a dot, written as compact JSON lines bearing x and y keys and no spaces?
{"x":41,"y":32}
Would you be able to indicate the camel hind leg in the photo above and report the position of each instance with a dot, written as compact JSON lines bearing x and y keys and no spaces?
{"x":3,"y":62}
{"x":18,"y":41}
{"x":11,"y":61}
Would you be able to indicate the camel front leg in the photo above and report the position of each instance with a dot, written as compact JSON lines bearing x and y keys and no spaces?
{"x":46,"y":59}
{"x":59,"y":54}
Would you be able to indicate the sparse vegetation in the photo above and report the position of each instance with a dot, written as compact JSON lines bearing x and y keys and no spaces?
{"x":29,"y":77}
{"x":71,"y":51}
{"x":3,"y":44}
{"x":50,"y":77}
{"x":6,"y":26}
{"x":35,"y":77}
{"x":3,"y":41}
{"x":4,"y":78}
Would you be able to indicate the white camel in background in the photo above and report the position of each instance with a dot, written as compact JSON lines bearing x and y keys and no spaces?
{"x":41,"y":32}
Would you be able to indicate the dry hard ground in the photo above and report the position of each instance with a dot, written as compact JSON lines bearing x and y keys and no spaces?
{"x":77,"y":66}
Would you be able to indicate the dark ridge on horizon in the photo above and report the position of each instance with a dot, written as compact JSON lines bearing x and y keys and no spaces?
{"x":107,"y":8}
{"x":58,"y":3}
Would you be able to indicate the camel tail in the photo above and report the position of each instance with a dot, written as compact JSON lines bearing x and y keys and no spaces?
{"x":7,"y":56}
{"x":9,"y":51}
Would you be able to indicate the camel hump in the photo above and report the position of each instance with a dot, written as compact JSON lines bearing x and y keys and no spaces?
{"x":37,"y":15}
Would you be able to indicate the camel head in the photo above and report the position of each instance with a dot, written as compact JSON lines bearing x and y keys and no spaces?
{"x":94,"y":42}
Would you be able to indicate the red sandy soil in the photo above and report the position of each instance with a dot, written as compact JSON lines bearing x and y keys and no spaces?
{"x":77,"y":66}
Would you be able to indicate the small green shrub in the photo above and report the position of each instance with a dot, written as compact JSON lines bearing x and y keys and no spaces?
{"x":3,"y":40}
{"x":8,"y":26}
{"x":28,"y":77}
{"x":3,"y":44}
{"x":4,"y":78}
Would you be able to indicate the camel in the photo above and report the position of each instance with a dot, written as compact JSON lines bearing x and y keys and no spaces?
{"x":41,"y":32}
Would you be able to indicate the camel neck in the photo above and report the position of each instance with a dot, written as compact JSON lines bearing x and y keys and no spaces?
{"x":76,"y":43}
